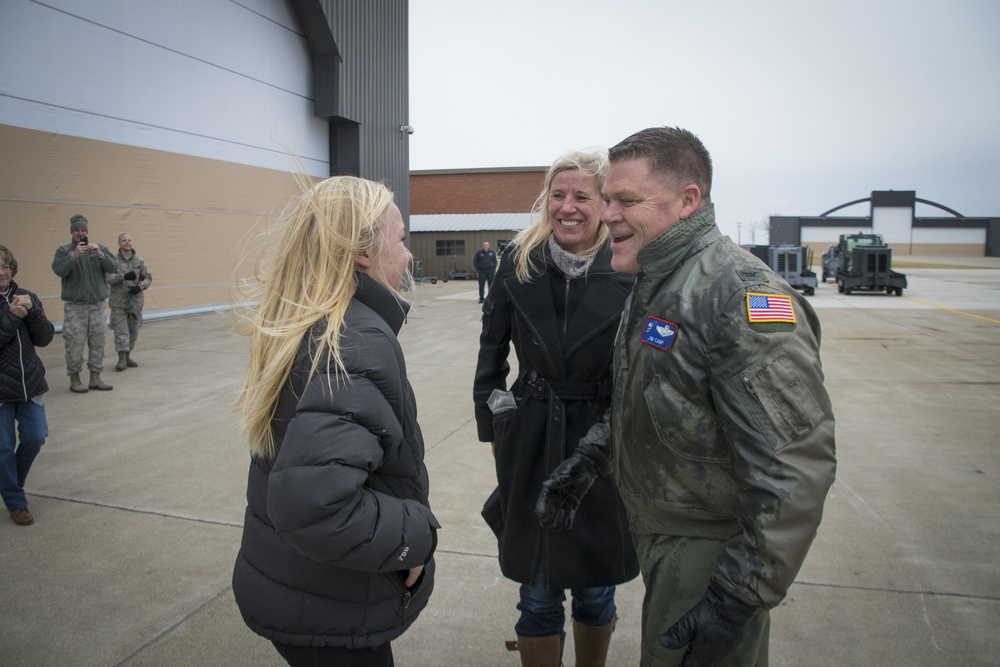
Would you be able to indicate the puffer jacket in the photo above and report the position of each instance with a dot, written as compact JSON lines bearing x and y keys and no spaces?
{"x":22,"y":373}
{"x":338,"y":517}
{"x":721,"y":425}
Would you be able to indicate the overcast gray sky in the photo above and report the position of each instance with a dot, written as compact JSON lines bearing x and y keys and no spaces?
{"x":803,"y":105}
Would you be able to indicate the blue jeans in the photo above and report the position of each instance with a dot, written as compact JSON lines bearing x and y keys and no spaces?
{"x":542,"y":613}
{"x":15,"y":461}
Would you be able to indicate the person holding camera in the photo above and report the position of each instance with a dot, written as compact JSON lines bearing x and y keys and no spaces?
{"x":127,"y":285}
{"x":23,"y":327}
{"x":82,"y":266}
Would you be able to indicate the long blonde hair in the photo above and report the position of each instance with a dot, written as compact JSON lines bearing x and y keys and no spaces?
{"x":305,"y":275}
{"x":591,"y":162}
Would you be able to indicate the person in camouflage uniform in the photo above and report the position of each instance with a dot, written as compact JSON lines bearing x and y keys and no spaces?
{"x":721,"y":433}
{"x":82,"y":265}
{"x":127,"y":285}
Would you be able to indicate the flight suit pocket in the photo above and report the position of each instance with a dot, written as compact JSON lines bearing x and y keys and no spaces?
{"x":688,"y":429}
{"x":778,"y":401}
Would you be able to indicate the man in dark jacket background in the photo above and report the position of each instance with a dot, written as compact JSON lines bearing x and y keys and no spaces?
{"x":23,"y":326}
{"x":485,"y":264}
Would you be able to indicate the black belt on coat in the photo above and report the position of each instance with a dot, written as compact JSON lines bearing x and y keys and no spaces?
{"x":555,"y":393}
{"x":543,"y":389}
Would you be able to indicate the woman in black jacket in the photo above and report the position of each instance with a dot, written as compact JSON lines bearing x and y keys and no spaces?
{"x":336,"y":559}
{"x":556,"y":298}
{"x":23,"y":327}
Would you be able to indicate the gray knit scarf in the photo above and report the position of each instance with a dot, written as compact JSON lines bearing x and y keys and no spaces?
{"x":572,"y":266}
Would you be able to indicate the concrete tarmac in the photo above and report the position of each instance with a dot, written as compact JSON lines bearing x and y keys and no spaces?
{"x":138,"y":497}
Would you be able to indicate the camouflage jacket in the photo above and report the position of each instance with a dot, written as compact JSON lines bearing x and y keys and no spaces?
{"x":720,"y":424}
{"x":120,"y":296}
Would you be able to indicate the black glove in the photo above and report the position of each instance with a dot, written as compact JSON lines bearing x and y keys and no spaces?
{"x":134,"y":289}
{"x":711,"y":629}
{"x":130,"y":275}
{"x":564,"y":490}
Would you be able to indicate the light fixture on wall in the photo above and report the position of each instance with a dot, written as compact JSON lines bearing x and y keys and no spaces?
{"x":408,"y":129}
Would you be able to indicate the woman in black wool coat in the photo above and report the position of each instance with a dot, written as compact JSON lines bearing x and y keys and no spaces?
{"x":556,"y":298}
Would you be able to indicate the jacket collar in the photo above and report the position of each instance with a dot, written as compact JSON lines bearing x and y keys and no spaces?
{"x":679,"y":241}
{"x":382,"y":301}
{"x":535,"y":303}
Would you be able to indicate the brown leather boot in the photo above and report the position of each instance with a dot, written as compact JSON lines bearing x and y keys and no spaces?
{"x":97,"y":383}
{"x":540,"y":651}
{"x":592,"y":643}
{"x":120,"y":366}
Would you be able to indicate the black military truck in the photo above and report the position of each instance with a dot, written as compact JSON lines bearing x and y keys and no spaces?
{"x":865,"y":264}
{"x":831,"y":260}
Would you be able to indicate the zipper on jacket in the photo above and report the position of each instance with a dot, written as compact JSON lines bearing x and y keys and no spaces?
{"x":750,"y":388}
{"x":20,"y":359}
{"x":407,"y":597}
{"x":20,"y":345}
{"x":566,"y":308}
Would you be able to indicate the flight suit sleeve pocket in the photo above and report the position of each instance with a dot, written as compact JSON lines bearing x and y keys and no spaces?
{"x":777,"y":401}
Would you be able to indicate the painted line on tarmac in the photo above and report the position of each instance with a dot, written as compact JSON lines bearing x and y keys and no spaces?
{"x":951,"y":310}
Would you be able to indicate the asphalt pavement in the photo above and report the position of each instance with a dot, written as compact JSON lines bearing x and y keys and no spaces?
{"x":138,"y":497}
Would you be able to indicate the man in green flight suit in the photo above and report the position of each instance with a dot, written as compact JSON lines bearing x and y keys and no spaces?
{"x":720,"y":435}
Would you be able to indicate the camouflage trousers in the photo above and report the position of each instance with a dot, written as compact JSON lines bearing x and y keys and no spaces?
{"x":126,"y":325}
{"x":84,"y":323}
{"x":676,"y":572}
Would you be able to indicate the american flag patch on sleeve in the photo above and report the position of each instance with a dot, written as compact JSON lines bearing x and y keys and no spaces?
{"x":769,"y":308}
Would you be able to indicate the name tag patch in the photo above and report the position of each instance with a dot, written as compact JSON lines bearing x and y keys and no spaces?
{"x":769,"y":308}
{"x":658,"y":333}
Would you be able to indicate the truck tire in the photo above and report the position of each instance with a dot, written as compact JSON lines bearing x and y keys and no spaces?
{"x":840,"y":287}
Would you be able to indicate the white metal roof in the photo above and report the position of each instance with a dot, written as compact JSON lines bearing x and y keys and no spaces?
{"x":469,"y":222}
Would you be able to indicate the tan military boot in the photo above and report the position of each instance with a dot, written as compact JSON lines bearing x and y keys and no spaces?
{"x":129,"y":362}
{"x":97,"y":383}
{"x":75,"y":385}
{"x":120,"y":366}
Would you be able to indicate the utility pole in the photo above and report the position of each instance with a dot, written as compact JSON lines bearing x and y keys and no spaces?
{"x":739,"y":233}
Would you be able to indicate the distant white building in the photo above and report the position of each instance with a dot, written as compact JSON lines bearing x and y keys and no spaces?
{"x":892,"y":216}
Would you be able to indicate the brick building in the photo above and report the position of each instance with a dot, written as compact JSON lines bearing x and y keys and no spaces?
{"x":453,"y":211}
